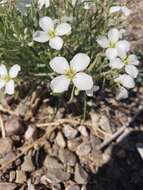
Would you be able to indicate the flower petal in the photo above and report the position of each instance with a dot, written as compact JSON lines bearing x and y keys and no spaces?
{"x":92,"y":90}
{"x":46,"y":23}
{"x":83,"y":81}
{"x":123,"y":45}
{"x":9,"y":87}
{"x":3,"y":70}
{"x":80,"y":62}
{"x":126,"y":80}
{"x":59,"y":65}
{"x":126,"y":11}
{"x":60,"y":84}
{"x":133,"y":60}
{"x":132,"y":70}
{"x":103,"y":41}
{"x":111,"y":53}
{"x":114,"y":35}
{"x":116,"y":63}
{"x":114,"y":9}
{"x":13,"y":72}
{"x":40,"y":36}
{"x":56,"y":43}
{"x":63,"y":29}
{"x":121,"y":93}
{"x":2,"y":83}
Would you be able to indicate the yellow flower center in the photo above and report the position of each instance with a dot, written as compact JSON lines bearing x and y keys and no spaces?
{"x":126,"y":61}
{"x":112,"y":45}
{"x":70,"y":73}
{"x":51,"y":33}
{"x":6,"y":78}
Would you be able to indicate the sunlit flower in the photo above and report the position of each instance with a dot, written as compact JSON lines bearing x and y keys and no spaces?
{"x":113,"y":44}
{"x":42,"y":3}
{"x":128,"y":62}
{"x":72,"y":72}
{"x":126,"y":81}
{"x":123,"y":9}
{"x":51,"y":32}
{"x":92,"y":90}
{"x":121,"y":93}
{"x":7,"y":78}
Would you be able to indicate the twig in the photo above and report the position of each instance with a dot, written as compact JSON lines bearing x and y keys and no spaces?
{"x":2,"y":127}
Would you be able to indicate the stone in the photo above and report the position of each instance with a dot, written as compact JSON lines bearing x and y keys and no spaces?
{"x":52,"y":163}
{"x":83,"y":131}
{"x":7,"y":186}
{"x":83,"y":149}
{"x":104,"y":123}
{"x":57,"y":176}
{"x":80,"y":175}
{"x":27,"y":164}
{"x":20,"y":177}
{"x":72,"y":144}
{"x":5,"y":146}
{"x":72,"y":187}
{"x":12,"y":176}
{"x":29,"y":133}
{"x":139,"y":147}
{"x":60,"y":140}
{"x":69,"y":132}
{"x":13,"y":126}
{"x":67,"y":157}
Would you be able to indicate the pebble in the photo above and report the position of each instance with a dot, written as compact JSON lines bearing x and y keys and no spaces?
{"x":139,"y":147}
{"x":69,"y":132}
{"x":7,"y":186}
{"x":83,"y":131}
{"x":83,"y":149}
{"x":27,"y":164}
{"x":60,"y":140}
{"x":20,"y":177}
{"x":104,"y":123}
{"x":67,"y":157}
{"x":72,"y":144}
{"x":72,"y":187}
{"x":13,"y":126}
{"x":57,"y":176}
{"x":5,"y":146}
{"x":52,"y":163}
{"x":80,"y":175}
{"x":12,"y":176}
{"x":29,"y":133}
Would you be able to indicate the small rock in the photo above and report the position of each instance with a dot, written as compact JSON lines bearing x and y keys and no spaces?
{"x":67,"y":157}
{"x":83,"y":131}
{"x":83,"y":149}
{"x":29,"y":132}
{"x":12,"y":176}
{"x":104,"y":123}
{"x":72,"y":187}
{"x":80,"y":175}
{"x":7,"y":186}
{"x":72,"y":144}
{"x":140,"y":149}
{"x":69,"y":132}
{"x":52,"y":163}
{"x":20,"y":177}
{"x":5,"y":146}
{"x":57,"y":176}
{"x":28,"y":164}
{"x":60,"y":140}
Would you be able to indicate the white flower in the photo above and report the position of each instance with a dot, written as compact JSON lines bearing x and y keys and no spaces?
{"x":128,"y":62}
{"x":125,"y":80}
{"x":7,"y":78}
{"x":71,"y":73}
{"x":123,"y":9}
{"x":42,"y":3}
{"x":92,"y":90}
{"x":112,"y":44}
{"x":121,"y":93}
{"x":51,"y":33}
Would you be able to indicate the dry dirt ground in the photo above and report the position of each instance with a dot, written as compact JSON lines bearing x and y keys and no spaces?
{"x":51,"y":148}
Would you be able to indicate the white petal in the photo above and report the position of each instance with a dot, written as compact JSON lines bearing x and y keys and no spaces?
{"x":41,"y":3}
{"x":123,"y":45}
{"x":116,"y":63}
{"x":60,"y":84}
{"x":132,"y":59}
{"x":56,"y":43}
{"x":63,"y":29}
{"x":46,"y":23}
{"x":126,"y":80}
{"x":111,"y":53}
{"x":92,"y":90}
{"x":9,"y":87}
{"x":83,"y":81}
{"x":59,"y":65}
{"x":126,"y":11}
{"x":121,"y":93}
{"x":2,"y":83}
{"x":13,"y":72}
{"x":132,"y":70}
{"x":114,"y":9}
{"x":114,"y":35}
{"x":103,"y":41}
{"x":3,"y":70}
{"x":80,"y":62}
{"x":40,"y":36}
